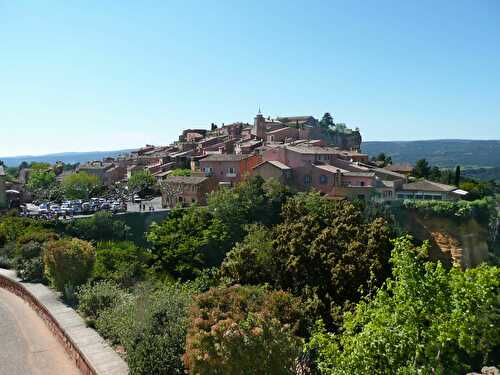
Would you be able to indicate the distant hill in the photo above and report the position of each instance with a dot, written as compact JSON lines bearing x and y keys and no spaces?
{"x":443,"y":153}
{"x":66,"y":157}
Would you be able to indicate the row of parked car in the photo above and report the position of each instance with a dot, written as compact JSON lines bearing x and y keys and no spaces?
{"x":80,"y":207}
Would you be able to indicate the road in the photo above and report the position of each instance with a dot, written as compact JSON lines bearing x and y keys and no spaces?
{"x":27,"y":347}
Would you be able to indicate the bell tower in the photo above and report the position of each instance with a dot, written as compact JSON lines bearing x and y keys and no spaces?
{"x":259,"y":125}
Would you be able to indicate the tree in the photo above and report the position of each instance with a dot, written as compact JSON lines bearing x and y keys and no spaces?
{"x":40,"y":180}
{"x":187,"y":242}
{"x":323,"y":251}
{"x":244,"y":330}
{"x":80,"y":185}
{"x":422,"y":168}
{"x":68,"y":262}
{"x":253,"y":200}
{"x":101,"y":226}
{"x":252,"y":261}
{"x":425,"y":319}
{"x":327,"y":121}
{"x":383,"y":159}
{"x":141,"y":181}
{"x":122,"y":262}
{"x":457,"y":176}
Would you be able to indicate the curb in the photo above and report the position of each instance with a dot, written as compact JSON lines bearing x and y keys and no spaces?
{"x":89,"y":351}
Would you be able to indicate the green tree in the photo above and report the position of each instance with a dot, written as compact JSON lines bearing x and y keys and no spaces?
{"x":457,"y":176}
{"x":327,"y":121}
{"x":323,"y":251}
{"x":244,"y":330}
{"x":80,"y":185}
{"x":141,"y":181}
{"x":122,"y":262}
{"x":422,"y":168}
{"x":254,"y":200}
{"x":68,"y":262}
{"x":253,"y":260}
{"x":39,"y":181}
{"x":39,"y":166}
{"x":102,"y":226}
{"x":425,"y":319}
{"x":188,"y":241}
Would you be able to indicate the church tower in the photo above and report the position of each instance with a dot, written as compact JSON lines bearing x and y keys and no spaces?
{"x":259,"y":126}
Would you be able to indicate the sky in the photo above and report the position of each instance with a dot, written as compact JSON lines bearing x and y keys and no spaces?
{"x":104,"y":75}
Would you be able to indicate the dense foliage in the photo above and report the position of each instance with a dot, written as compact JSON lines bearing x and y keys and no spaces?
{"x":323,"y":251}
{"x":188,"y":241}
{"x":121,"y":262}
{"x":425,"y":319}
{"x":151,"y":326}
{"x":244,"y":330}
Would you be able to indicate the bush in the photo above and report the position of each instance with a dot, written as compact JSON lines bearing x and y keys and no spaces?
{"x":31,"y":270}
{"x":7,"y":253}
{"x":151,"y":327}
{"x":244,"y":330}
{"x":94,"y":299}
{"x":68,"y":262}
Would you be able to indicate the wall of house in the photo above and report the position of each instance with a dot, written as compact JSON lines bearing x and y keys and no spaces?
{"x":282,"y":134}
{"x":267,"y":171}
{"x":357,"y":181}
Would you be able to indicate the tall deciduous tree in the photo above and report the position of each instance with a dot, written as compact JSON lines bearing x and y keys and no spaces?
{"x":141,"y":181}
{"x":80,"y":185}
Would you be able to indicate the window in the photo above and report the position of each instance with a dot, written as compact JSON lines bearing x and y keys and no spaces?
{"x":361,"y":183}
{"x":232,"y":170}
{"x":323,"y":179}
{"x":307,"y":179}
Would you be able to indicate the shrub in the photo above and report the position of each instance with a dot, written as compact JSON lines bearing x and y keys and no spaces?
{"x":151,"y":327}
{"x":68,"y":262}
{"x":123,"y":262}
{"x":244,"y":330}
{"x":7,"y":252}
{"x":93,"y":299}
{"x":31,"y":270}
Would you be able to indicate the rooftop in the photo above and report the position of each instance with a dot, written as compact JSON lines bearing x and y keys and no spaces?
{"x":226,"y":157}
{"x":188,"y":180}
{"x":425,"y":185}
{"x":276,"y":163}
{"x":330,"y":168}
{"x":400,"y":167}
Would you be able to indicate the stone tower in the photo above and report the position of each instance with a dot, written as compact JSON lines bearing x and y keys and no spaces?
{"x":259,"y":126}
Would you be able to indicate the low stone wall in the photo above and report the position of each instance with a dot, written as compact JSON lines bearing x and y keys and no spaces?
{"x":85,"y":347}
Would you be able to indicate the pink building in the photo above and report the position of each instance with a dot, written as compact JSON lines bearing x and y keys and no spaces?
{"x":229,"y":168}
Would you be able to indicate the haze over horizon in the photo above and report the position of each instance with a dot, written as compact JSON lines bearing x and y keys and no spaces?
{"x":120,"y":75}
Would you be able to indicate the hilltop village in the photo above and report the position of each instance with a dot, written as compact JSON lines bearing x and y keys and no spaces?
{"x":301,"y":152}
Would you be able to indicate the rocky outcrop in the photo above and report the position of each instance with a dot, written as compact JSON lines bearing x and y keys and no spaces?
{"x":486,"y":371}
{"x":464,"y":243}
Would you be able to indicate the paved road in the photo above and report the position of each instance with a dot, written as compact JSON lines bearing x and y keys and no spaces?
{"x":27,"y":347}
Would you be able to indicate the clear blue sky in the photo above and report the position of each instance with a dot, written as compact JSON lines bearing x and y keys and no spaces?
{"x":98,"y":75}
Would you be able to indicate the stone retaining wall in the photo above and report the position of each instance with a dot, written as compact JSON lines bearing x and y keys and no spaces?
{"x":91,"y":354}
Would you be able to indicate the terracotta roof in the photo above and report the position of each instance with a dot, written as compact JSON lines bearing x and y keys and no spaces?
{"x":425,"y":185}
{"x":400,"y":167}
{"x":276,"y":131}
{"x":226,"y":157}
{"x":314,"y":150}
